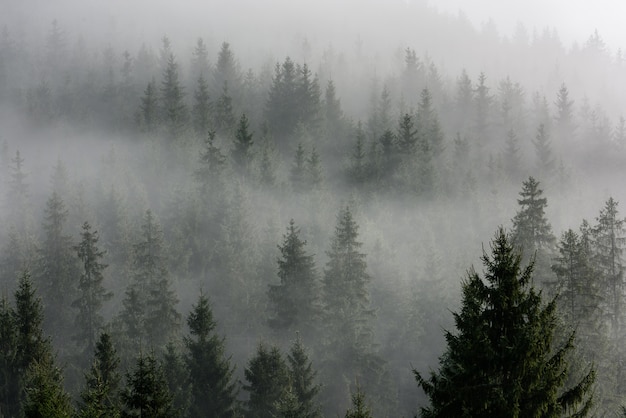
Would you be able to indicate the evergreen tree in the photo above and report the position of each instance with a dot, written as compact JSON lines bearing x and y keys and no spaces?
{"x":99,"y":398}
{"x":242,"y":151}
{"x":177,"y":378}
{"x":57,"y":270}
{"x":545,"y":161}
{"x":226,"y":71}
{"x":303,"y":383}
{"x":482,"y":105}
{"x":146,"y":393}
{"x":202,"y":107}
{"x":358,"y":164}
{"x":89,"y":321}
{"x":359,"y":407}
{"x":407,"y":136}
{"x":565,"y":125}
{"x":282,"y":109}
{"x":224,"y":117}
{"x":609,"y":238}
{"x":293,"y":302}
{"x":298,"y":170}
{"x":9,"y":354}
{"x":213,"y":391}
{"x":212,"y":163}
{"x":45,"y":396}
{"x":173,"y":107}
{"x":314,"y":174}
{"x":268,"y":381}
{"x":504,"y":359}
{"x":511,"y":157}
{"x":148,"y":115}
{"x":531,"y":229}
{"x":199,"y":63}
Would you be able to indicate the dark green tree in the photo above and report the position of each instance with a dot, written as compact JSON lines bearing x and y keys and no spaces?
{"x":99,"y":398}
{"x":267,"y":378}
{"x":359,"y":407}
{"x":44,"y":394}
{"x":505,"y":358}
{"x":242,"y":151}
{"x":531,"y":229}
{"x":407,"y":136}
{"x":293,"y":303}
{"x":177,"y":378}
{"x":9,"y":355}
{"x":92,"y":293}
{"x":213,"y":391}
{"x":303,"y":378}
{"x":146,"y":393}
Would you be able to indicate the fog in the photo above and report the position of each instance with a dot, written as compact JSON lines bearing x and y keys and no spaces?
{"x":75,"y":79}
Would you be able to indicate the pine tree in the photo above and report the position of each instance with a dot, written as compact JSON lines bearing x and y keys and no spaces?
{"x":609,"y":239}
{"x":298,"y":170}
{"x":202,"y":107}
{"x":173,"y":108}
{"x":99,"y":398}
{"x":45,"y":396}
{"x":505,"y":359}
{"x":302,"y":378}
{"x":268,"y":381}
{"x":148,"y":115}
{"x":293,"y":302}
{"x":407,"y":136}
{"x":314,"y":176}
{"x":531,"y":229}
{"x":565,"y":125}
{"x":213,"y":391}
{"x":358,"y":165}
{"x":57,"y":270}
{"x":224,"y":117}
{"x":242,"y":151}
{"x":146,"y":393}
{"x":359,"y":407}
{"x":177,"y":378}
{"x":212,"y":163}
{"x":545,"y":161}
{"x":9,"y":375}
{"x":89,"y":321}
{"x":199,"y":63}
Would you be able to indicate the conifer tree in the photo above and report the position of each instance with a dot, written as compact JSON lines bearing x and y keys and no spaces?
{"x":407,"y":136}
{"x":268,"y":381}
{"x":531,"y":229}
{"x":213,"y":391}
{"x":173,"y":108}
{"x":565,"y":125}
{"x":57,"y":270}
{"x":99,"y":398}
{"x":359,"y":407}
{"x":202,"y":107}
{"x":358,"y":164}
{"x":545,"y":161}
{"x":298,"y":170}
{"x":302,"y":378}
{"x":149,"y":108}
{"x":44,"y":392}
{"x":505,"y":359}
{"x":609,"y":239}
{"x":146,"y":393}
{"x":293,"y":302}
{"x":9,"y":375}
{"x":177,"y":378}
{"x":224,"y":116}
{"x":89,"y":321}
{"x":314,"y":174}
{"x":242,"y":151}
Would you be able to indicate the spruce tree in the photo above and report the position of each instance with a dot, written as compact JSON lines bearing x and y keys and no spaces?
{"x":505,"y":358}
{"x":173,"y":108}
{"x":92,"y":293}
{"x":531,"y":229}
{"x":148,"y":115}
{"x":293,"y":302}
{"x":99,"y":397}
{"x":242,"y":151}
{"x":267,"y":378}
{"x":303,"y":378}
{"x":45,"y":396}
{"x":202,"y":108}
{"x":359,"y":407}
{"x":146,"y":393}
{"x":213,"y":390}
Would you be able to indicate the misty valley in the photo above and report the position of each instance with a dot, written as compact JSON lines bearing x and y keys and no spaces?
{"x":280,"y":219}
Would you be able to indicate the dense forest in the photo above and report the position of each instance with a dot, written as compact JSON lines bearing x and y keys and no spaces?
{"x":310,"y":223}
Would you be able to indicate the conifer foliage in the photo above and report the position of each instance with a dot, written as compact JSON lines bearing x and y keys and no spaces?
{"x":504,"y":359}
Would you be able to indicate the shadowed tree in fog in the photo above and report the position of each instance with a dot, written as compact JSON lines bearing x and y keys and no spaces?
{"x":201,"y":111}
{"x":267,"y":377}
{"x":347,"y":316}
{"x":565,"y":125}
{"x":223,"y":116}
{"x":242,"y":153}
{"x":173,"y":108}
{"x":531,"y":229}
{"x":100,"y":398}
{"x":226,"y":71}
{"x":303,"y":381}
{"x":57,"y":270}
{"x":92,"y":293}
{"x":545,"y":161}
{"x":213,"y":391}
{"x":293,"y":302}
{"x":146,"y":393}
{"x":148,"y":115}
{"x":505,"y":359}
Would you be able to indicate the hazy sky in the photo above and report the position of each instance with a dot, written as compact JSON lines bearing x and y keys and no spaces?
{"x":575,"y":20}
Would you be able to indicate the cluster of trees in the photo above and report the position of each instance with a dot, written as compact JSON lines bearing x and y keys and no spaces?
{"x":208,"y":162}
